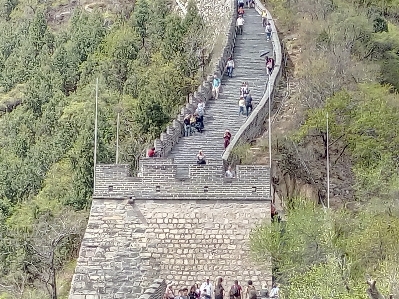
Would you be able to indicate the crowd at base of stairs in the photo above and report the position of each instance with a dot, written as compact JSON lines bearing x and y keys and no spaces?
{"x":208,"y":291}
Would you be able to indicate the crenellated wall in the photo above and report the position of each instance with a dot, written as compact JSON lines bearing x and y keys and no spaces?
{"x":254,"y":125}
{"x":158,"y":181}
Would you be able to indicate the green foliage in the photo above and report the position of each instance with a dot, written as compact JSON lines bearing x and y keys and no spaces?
{"x":365,"y":120}
{"x":146,"y":63}
{"x":326,"y":254}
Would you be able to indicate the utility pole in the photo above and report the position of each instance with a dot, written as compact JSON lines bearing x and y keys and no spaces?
{"x":270,"y":134}
{"x":95,"y":135}
{"x":117,"y":139}
{"x":328,"y":169}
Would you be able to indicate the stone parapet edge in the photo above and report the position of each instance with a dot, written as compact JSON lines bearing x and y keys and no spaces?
{"x":155,"y":291}
{"x":175,"y":130}
{"x":253,"y":125}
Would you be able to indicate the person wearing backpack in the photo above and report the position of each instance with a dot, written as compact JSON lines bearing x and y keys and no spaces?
{"x":219,"y":290}
{"x":235,"y":291}
{"x":251,"y":291}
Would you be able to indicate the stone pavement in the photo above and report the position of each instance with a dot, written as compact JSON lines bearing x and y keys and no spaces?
{"x":222,"y":114}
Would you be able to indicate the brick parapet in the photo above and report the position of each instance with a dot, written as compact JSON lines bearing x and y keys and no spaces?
{"x":158,"y":181}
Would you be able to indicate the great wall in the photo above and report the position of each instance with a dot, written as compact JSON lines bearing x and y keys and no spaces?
{"x":178,"y":221}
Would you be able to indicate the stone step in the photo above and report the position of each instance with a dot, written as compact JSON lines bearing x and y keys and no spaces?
{"x":222,"y":114}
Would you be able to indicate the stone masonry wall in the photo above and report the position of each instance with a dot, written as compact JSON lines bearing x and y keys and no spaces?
{"x":129,"y":243}
{"x":253,"y":127}
{"x":158,"y":181}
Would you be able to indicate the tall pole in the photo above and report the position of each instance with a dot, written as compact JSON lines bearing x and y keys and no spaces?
{"x":328,"y":169}
{"x":95,"y":135}
{"x":117,"y":139}
{"x":270,"y":135}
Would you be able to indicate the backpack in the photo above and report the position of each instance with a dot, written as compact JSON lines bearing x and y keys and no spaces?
{"x":234,"y":290}
{"x":218,"y":290}
{"x":252,"y":294}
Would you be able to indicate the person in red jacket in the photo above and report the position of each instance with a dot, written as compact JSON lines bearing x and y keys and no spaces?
{"x":151,"y":152}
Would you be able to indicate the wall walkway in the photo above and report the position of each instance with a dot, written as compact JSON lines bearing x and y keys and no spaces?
{"x":179,"y":221}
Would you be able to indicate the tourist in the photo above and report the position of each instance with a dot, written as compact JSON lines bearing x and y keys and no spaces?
{"x":205,"y":295}
{"x":241,"y":106}
{"x":248,"y":103}
{"x":270,"y":65}
{"x":201,"y":160}
{"x":215,"y":87}
{"x":151,"y":152}
{"x":240,"y":11}
{"x":240,"y":3}
{"x":251,"y":3}
{"x":193,"y":123}
{"x":244,"y":90}
{"x":199,"y":125}
{"x":264,"y":18}
{"x":169,"y":294}
{"x":251,"y":291}
{"x":240,"y":24}
{"x":206,"y":288}
{"x":235,"y":290}
{"x":226,"y":137}
{"x":187,"y":125}
{"x":268,"y":31}
{"x":274,"y":291}
{"x":230,"y":67}
{"x":230,"y":173}
{"x":219,"y":290}
{"x":193,"y":294}
{"x":197,"y":290}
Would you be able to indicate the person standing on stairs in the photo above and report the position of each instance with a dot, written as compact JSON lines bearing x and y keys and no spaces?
{"x":187,"y":125}
{"x":268,"y":31}
{"x":248,"y":103}
{"x":264,"y":18}
{"x":230,"y":67}
{"x":226,"y":137}
{"x":240,"y":24}
{"x":215,"y":87}
{"x":241,"y":106}
{"x":240,"y":3}
{"x":244,"y":90}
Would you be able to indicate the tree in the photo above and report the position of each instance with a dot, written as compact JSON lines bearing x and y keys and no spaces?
{"x":48,"y":237}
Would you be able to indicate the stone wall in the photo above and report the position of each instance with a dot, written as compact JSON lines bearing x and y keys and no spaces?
{"x":128,"y":244}
{"x":155,"y":291}
{"x":174,"y":130}
{"x":253,"y":127}
{"x":158,"y":181}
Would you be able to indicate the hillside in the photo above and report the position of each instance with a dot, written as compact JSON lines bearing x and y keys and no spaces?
{"x":342,"y":59}
{"x":51,"y":53}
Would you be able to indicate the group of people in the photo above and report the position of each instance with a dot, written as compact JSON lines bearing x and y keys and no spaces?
{"x":245,"y":101}
{"x":194,"y":122}
{"x":208,"y":291}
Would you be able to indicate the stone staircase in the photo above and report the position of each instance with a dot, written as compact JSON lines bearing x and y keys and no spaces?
{"x":222,"y":114}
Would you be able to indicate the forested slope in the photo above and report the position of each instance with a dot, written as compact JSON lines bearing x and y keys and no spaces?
{"x":146,"y":61}
{"x":343,"y":64}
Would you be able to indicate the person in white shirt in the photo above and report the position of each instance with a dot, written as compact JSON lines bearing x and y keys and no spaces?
{"x":206,"y":289}
{"x":229,"y":173}
{"x":274,"y":291}
{"x":239,"y":24}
